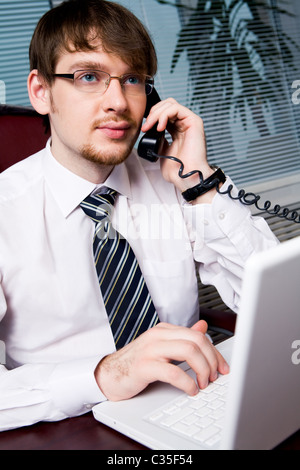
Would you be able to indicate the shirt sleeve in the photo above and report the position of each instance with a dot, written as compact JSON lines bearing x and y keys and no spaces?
{"x":223,"y":235}
{"x":45,"y":392}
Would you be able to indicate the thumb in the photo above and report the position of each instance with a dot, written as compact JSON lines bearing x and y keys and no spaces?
{"x":201,"y":326}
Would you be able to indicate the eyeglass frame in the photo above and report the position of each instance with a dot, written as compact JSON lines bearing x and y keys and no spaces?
{"x":71,"y":76}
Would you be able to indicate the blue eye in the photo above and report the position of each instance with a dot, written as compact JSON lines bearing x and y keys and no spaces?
{"x":132,"y":80}
{"x":89,"y":77}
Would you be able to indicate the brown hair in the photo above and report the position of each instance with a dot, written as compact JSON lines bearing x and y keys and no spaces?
{"x":77,"y":25}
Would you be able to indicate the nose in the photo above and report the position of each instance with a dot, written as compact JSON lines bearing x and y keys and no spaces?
{"x":114,"y":98}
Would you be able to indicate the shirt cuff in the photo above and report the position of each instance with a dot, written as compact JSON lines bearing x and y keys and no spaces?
{"x":73,"y":387}
{"x":220,"y":218}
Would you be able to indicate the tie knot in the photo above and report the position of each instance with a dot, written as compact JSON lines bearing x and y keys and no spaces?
{"x":99,"y":206}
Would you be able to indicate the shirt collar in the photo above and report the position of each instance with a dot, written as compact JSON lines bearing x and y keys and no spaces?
{"x":69,"y":189}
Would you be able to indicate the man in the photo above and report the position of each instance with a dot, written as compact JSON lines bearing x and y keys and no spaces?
{"x":92,"y":64}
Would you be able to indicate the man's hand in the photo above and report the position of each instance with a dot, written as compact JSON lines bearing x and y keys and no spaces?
{"x":188,"y":142}
{"x":148,"y":358}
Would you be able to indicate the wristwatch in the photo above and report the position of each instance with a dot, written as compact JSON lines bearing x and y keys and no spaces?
{"x":211,"y":182}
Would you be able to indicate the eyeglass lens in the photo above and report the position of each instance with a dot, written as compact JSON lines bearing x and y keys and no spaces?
{"x":98,"y":81}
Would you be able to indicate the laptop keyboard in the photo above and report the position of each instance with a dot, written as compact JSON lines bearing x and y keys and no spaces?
{"x":199,"y":418}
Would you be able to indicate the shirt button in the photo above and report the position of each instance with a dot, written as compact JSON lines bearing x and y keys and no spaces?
{"x":205,"y":222}
{"x":222,"y":215}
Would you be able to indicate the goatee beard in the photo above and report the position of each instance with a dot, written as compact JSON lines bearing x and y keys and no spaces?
{"x":106,"y":156}
{"x":90,"y":153}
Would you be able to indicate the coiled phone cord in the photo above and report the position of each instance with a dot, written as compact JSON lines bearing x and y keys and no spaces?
{"x":248,"y":199}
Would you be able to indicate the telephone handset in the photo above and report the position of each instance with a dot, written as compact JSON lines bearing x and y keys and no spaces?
{"x":150,"y":147}
{"x":151,"y":143}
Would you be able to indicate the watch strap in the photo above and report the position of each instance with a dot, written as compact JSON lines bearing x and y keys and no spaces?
{"x":211,"y":182}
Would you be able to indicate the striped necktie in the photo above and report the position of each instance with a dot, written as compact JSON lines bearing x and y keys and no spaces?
{"x":126,"y":297}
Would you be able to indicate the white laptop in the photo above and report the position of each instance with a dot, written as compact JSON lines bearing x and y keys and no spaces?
{"x":260,"y":406}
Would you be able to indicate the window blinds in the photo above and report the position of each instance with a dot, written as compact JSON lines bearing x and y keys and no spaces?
{"x":234,"y":63}
{"x":17,"y":22}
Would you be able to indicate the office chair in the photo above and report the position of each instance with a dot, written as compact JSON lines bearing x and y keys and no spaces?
{"x":221,"y":323}
{"x":22,"y":133}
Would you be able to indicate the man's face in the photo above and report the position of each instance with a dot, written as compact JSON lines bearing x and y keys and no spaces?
{"x":100,"y":128}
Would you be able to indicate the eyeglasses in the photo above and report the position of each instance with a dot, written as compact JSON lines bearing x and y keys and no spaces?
{"x":96,"y":81}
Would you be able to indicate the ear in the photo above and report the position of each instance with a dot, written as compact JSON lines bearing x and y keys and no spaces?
{"x":39,"y":93}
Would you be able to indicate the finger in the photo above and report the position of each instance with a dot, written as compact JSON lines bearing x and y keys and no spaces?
{"x":186,"y":350}
{"x":214,"y":359}
{"x":201,"y":326}
{"x":163,"y":113}
{"x":154,"y":115}
{"x":206,"y":363}
{"x":171,"y":116}
{"x":223,"y":366}
{"x":195,"y":336}
{"x":174,"y":375}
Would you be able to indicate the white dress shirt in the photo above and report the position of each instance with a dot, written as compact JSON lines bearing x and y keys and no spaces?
{"x":52,"y":318}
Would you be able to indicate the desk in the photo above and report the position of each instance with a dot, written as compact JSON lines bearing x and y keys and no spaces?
{"x":83,"y":433}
